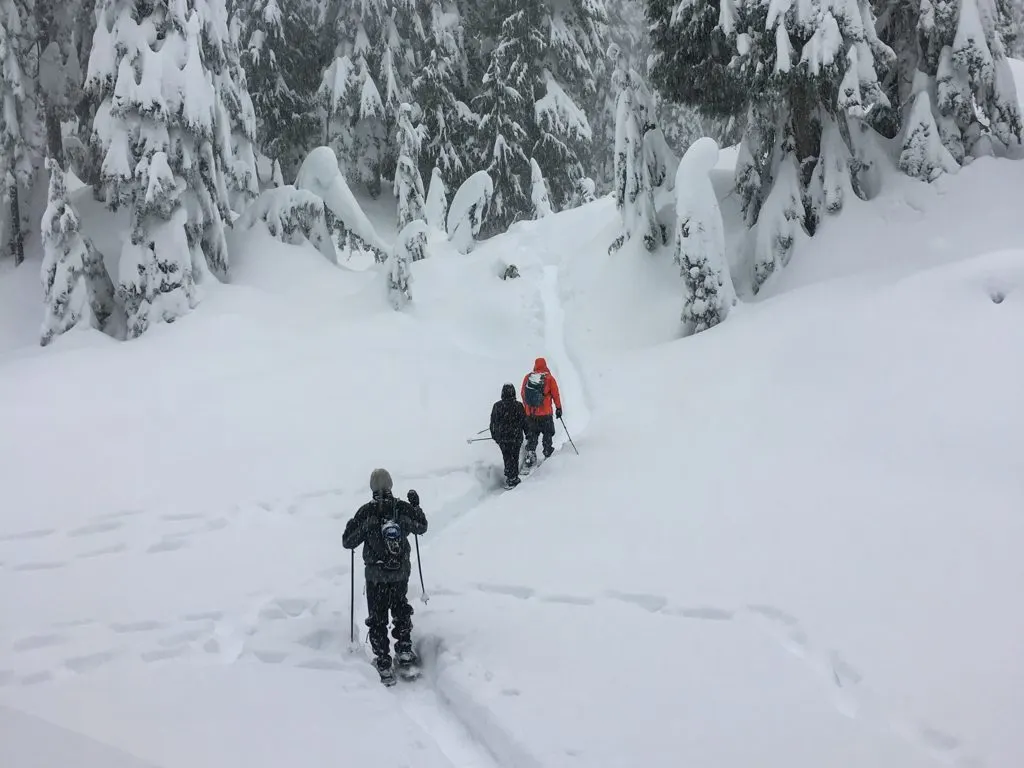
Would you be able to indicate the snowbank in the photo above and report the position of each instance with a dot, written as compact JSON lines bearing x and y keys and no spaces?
{"x":913,"y":225}
{"x":789,"y":540}
{"x":803,"y":553}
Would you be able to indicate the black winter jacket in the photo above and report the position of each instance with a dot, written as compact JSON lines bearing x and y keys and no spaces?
{"x":508,"y":418}
{"x":365,"y":528}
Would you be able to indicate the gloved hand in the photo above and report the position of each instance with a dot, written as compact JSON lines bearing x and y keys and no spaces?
{"x":414,"y":498}
{"x":558,"y":413}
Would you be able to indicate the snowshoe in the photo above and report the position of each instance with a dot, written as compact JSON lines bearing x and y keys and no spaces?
{"x":408,"y":665}
{"x":386,"y":671}
{"x":512,"y":483}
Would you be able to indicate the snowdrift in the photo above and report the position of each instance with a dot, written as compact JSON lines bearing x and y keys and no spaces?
{"x":785,"y":543}
{"x":789,"y":540}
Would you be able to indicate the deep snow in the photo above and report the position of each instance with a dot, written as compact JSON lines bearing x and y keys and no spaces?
{"x":791,"y":540}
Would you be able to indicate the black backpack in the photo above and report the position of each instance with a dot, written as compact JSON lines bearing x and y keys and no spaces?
{"x":533,"y":392}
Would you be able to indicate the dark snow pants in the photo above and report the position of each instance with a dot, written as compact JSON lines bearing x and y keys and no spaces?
{"x":537,"y":426}
{"x":510,"y":455}
{"x":383,"y":597}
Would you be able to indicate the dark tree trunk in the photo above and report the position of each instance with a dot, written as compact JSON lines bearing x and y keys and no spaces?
{"x":54,"y":137}
{"x":17,"y":236}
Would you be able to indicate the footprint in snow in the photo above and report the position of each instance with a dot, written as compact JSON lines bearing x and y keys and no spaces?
{"x":118,"y":515}
{"x":167,"y":545}
{"x":95,"y":528}
{"x":181,"y":517}
{"x":650,"y":603}
{"x":49,"y":565}
{"x":39,"y":533}
{"x":162,"y":654}
{"x":36,"y":678}
{"x":112,"y":549}
{"x":566,"y":599}
{"x":523,"y":593}
{"x":136,"y":626}
{"x":90,"y":662}
{"x":703,"y":613}
{"x":34,"y":642}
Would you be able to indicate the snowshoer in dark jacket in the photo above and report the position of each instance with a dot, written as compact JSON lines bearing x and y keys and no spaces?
{"x":383,"y":526}
{"x":508,"y":427}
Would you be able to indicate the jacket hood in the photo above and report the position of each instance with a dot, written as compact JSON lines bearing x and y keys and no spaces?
{"x":508,"y":392}
{"x":540,"y":365}
{"x":380,"y":480}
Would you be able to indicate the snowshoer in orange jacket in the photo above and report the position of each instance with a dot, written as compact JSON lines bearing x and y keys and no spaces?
{"x":540,"y":393}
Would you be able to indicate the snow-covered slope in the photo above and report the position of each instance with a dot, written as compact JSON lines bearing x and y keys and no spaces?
{"x":789,"y":541}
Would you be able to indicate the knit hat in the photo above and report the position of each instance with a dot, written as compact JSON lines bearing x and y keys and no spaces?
{"x":380,"y":480}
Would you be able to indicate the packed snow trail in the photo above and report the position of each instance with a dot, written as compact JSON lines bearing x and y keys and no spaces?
{"x":296,"y":620}
{"x":570,"y":382}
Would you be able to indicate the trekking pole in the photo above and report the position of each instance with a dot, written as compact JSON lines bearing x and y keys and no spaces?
{"x":570,"y":438}
{"x":478,"y":440}
{"x":485,"y":429}
{"x":352,"y":601}
{"x":419,"y":565}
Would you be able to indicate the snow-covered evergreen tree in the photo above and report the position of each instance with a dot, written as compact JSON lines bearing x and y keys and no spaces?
{"x":59,"y":71}
{"x":539,"y":192}
{"x":1010,"y":24}
{"x":953,"y":55}
{"x":281,"y":57}
{"x":567,"y":90}
{"x":76,"y":285}
{"x":440,"y":91}
{"x":634,"y":194}
{"x":356,"y":121}
{"x":371,"y":74}
{"x":631,"y":44}
{"x":410,"y":247}
{"x":165,"y":133}
{"x":408,"y":184}
{"x":506,"y":105}
{"x":156,"y":280}
{"x":923,"y":155}
{"x":436,"y":209}
{"x":700,"y":241}
{"x":539,"y":82}
{"x":806,"y":71}
{"x":21,"y":139}
{"x":469,"y":210}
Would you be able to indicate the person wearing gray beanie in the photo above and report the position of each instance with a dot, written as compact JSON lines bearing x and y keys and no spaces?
{"x":380,"y":480}
{"x":382,"y":526}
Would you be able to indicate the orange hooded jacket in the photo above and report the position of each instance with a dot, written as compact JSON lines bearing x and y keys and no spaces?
{"x":540,"y":366}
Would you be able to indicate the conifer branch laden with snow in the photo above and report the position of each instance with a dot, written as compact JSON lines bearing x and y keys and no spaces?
{"x":953,"y":57}
{"x":292,"y":215}
{"x":700,"y":241}
{"x":634,"y":194}
{"x":436,"y":209}
{"x":321,"y":175}
{"x":408,"y":183}
{"x":469,"y":210}
{"x":806,"y":75}
{"x":21,"y":136}
{"x":175,"y":127}
{"x":76,"y":286}
{"x":411,"y":246}
{"x":539,"y":192}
